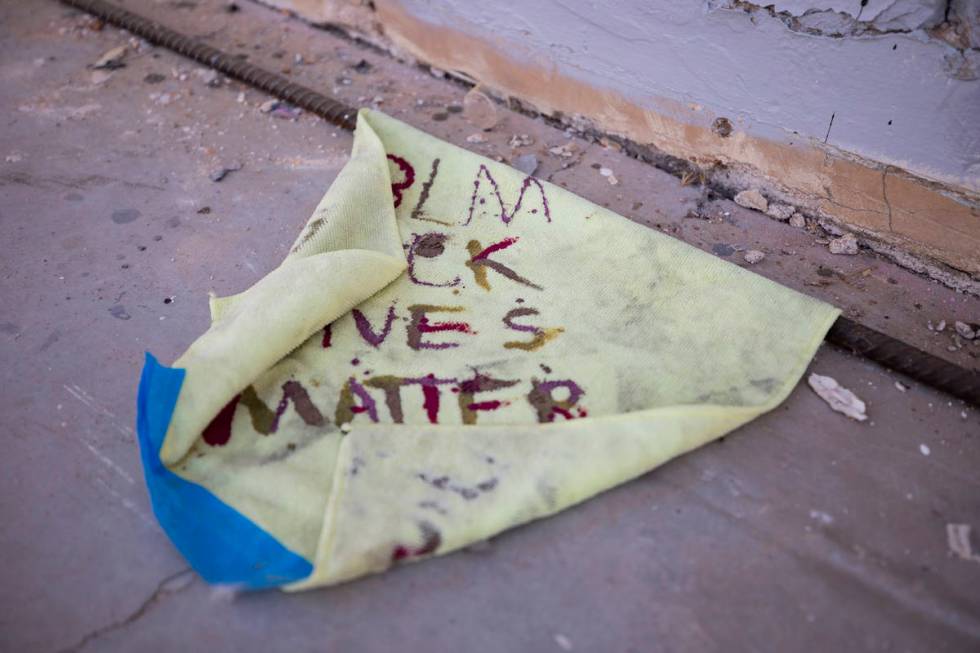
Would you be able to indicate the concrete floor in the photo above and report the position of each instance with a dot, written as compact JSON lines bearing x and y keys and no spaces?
{"x":802,"y":531}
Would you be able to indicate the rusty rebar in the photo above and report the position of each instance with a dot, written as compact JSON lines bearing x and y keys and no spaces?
{"x":306,"y":98}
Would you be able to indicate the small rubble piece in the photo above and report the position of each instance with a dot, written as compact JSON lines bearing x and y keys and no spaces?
{"x":526,"y":163}
{"x":223,"y":170}
{"x":901,"y":387}
{"x":610,"y":145}
{"x":154,"y":78}
{"x":610,"y":177}
{"x":846,"y":244}
{"x":101,"y":76}
{"x":958,"y":539}
{"x":287,"y":112}
{"x":752,"y":199}
{"x":781,"y":212}
{"x":520,"y":140}
{"x":754,"y":256}
{"x":209,"y":76}
{"x":14,"y":158}
{"x":838,"y":397}
{"x":968,"y":331}
{"x":112,"y":59}
{"x":438,"y":73}
{"x":565,"y":151}
{"x":924,"y":449}
{"x":476,"y":138}
{"x":280,"y":110}
{"x":163,"y":99}
{"x":563,"y":642}
{"x":479,"y":109}
{"x":797,"y":220}
{"x":824,"y":518}
{"x":941,"y":326}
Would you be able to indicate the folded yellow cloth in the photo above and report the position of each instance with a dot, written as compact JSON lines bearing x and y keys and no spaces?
{"x":452,"y":348}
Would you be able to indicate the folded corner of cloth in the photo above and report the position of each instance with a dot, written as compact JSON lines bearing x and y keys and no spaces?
{"x":451,"y":348}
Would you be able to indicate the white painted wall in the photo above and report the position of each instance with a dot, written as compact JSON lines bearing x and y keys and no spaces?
{"x":899,"y":95}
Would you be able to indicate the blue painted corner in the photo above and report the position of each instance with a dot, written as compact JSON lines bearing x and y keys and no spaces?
{"x":223,"y":545}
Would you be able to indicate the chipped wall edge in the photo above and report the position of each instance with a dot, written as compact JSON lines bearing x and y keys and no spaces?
{"x":921,"y":224}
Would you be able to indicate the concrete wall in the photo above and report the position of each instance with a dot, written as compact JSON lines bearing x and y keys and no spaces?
{"x":865,"y":113}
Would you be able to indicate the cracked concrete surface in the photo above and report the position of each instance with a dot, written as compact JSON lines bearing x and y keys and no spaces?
{"x":172,"y":584}
{"x":801,"y":531}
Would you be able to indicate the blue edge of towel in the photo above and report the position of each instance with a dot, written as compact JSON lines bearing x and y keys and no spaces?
{"x":220,"y":543}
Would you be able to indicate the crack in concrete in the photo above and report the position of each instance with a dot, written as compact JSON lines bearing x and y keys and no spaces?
{"x":164,"y":588}
{"x":884,"y":195}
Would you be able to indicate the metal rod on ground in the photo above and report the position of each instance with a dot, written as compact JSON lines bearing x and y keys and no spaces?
{"x":847,"y":334}
{"x":301,"y":96}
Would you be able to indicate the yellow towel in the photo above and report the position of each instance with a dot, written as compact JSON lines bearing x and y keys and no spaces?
{"x":452,"y":348}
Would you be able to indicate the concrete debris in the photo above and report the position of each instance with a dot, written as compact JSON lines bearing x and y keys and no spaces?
{"x":610,"y":145}
{"x":752,"y":199}
{"x":100,"y":76}
{"x":286,"y":112}
{"x":798,"y":221}
{"x":838,"y":397}
{"x":565,"y":151}
{"x":163,"y":99}
{"x":526,"y":163}
{"x":223,"y":170}
{"x":924,"y":449}
{"x":520,"y":140}
{"x":479,"y":110}
{"x":958,"y":538}
{"x":754,"y":256}
{"x":968,"y":331}
{"x":209,"y":76}
{"x":476,"y":138}
{"x":112,"y":59}
{"x":280,"y":110}
{"x":782,"y":212}
{"x":846,"y":244}
{"x":610,"y":177}
{"x":941,"y":326}
{"x":901,"y":387}
{"x":824,"y":518}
